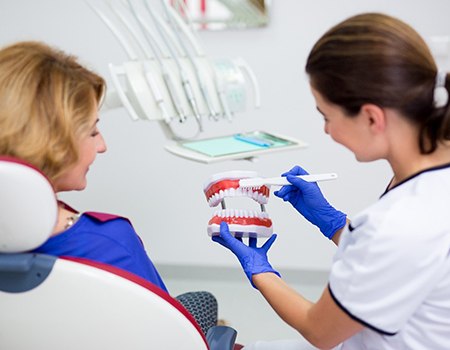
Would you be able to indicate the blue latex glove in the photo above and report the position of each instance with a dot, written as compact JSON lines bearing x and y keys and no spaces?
{"x":309,"y":201}
{"x":253,"y":259}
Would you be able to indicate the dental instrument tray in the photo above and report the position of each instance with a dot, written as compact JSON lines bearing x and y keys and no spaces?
{"x":246,"y":145}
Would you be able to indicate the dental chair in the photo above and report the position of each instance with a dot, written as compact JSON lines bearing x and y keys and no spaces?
{"x":51,"y":303}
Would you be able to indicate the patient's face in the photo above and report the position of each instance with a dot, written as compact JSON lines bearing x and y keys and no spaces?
{"x":90,"y":144}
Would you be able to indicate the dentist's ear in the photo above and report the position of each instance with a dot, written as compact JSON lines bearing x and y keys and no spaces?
{"x":375,"y":116}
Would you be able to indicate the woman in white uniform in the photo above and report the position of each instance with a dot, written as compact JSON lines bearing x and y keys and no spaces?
{"x":381,"y":95}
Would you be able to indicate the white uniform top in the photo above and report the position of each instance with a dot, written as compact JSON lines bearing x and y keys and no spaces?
{"x":392,"y":268}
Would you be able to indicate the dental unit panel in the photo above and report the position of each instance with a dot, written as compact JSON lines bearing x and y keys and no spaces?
{"x":168,"y":78}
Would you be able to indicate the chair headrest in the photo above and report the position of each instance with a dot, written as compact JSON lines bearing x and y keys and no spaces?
{"x":28,"y":206}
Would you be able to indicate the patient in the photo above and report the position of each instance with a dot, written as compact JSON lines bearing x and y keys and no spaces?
{"x":48,"y":118}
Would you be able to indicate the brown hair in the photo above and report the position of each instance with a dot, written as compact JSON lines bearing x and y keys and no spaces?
{"x":46,"y":102}
{"x":375,"y":58}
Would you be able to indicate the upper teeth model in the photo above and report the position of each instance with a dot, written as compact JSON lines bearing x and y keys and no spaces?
{"x":241,"y":222}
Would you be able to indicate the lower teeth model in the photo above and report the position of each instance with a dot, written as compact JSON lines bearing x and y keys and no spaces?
{"x":241,"y":222}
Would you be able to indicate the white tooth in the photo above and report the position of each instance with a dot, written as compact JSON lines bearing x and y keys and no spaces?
{"x":222,"y":213}
{"x":241,"y":213}
{"x":226,"y":193}
{"x":232,"y":192}
{"x":245,"y":214}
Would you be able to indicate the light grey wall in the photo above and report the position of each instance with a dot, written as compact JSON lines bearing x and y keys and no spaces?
{"x":162,"y":194}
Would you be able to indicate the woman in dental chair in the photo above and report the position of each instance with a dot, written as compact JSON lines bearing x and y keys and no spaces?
{"x":48,"y":118}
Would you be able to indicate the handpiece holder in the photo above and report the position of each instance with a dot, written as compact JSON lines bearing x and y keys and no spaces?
{"x":139,"y":87}
{"x":169,"y":79}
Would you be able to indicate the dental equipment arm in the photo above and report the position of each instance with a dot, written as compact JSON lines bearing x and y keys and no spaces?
{"x":123,"y":40}
{"x":189,"y":34}
{"x":158,"y":53}
{"x":309,"y":201}
{"x":186,"y":84}
{"x":168,"y":77}
{"x":177,"y":26}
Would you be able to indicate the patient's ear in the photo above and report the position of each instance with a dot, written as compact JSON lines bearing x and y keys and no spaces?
{"x":375,"y":117}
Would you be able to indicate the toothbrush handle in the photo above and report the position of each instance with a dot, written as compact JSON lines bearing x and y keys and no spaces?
{"x":318,"y":177}
{"x":282,"y":181}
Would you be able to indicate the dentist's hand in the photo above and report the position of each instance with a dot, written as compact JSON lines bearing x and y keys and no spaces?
{"x":253,"y":259}
{"x":309,"y":201}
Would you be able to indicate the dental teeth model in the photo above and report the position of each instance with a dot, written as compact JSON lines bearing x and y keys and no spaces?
{"x":241,"y":222}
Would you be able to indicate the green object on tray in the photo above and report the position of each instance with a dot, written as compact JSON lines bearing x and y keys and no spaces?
{"x":238,"y":143}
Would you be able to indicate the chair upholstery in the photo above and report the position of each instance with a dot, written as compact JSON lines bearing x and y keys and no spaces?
{"x":202,"y":305}
{"x":51,"y":303}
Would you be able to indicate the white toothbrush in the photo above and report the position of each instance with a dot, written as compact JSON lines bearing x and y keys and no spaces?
{"x":257,"y":182}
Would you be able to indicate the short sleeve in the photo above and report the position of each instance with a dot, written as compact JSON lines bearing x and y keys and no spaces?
{"x":388,"y":260}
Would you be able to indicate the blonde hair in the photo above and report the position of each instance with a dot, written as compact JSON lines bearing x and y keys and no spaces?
{"x":47,"y":100}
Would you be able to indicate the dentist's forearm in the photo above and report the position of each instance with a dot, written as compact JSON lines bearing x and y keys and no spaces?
{"x":285,"y":301}
{"x":323,"y":323}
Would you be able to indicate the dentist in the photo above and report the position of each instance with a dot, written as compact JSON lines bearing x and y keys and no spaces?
{"x":381,"y":95}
